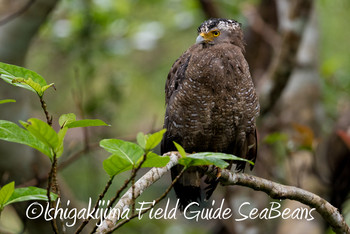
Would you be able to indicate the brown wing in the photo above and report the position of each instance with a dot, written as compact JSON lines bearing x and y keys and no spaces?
{"x":246,"y":142}
{"x":176,"y":74}
{"x":187,"y":188}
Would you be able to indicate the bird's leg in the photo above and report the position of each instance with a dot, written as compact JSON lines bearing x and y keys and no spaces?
{"x":212,"y":182}
{"x":217,"y":171}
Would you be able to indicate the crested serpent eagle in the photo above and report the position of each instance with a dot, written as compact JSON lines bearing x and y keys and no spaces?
{"x":211,"y":104}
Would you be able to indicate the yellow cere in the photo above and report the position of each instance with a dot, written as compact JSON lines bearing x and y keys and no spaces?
{"x":210,"y":35}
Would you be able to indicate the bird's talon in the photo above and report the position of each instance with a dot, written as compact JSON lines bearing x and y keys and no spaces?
{"x":218,"y":173}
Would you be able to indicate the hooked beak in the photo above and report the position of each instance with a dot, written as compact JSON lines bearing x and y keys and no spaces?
{"x":204,"y":38}
{"x":199,"y":39}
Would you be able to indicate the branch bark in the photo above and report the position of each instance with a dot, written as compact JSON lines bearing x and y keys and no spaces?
{"x":273,"y":189}
{"x":278,"y":191}
{"x":143,"y":183}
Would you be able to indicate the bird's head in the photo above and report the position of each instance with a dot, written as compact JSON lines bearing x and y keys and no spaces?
{"x":215,"y":31}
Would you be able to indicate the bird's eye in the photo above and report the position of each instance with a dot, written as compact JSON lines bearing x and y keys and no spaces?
{"x":216,"y":33}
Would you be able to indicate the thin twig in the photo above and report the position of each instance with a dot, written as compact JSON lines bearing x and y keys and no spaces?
{"x":47,"y":115}
{"x":153,"y":205}
{"x":133,"y":194}
{"x":100,"y":197}
{"x":279,"y":191}
{"x":52,"y":183}
{"x":148,"y":179}
{"x":133,"y":175}
{"x":121,"y":189}
{"x":274,"y":190}
{"x":37,"y":180}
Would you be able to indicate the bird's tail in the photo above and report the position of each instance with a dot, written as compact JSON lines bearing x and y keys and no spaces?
{"x":187,"y":188}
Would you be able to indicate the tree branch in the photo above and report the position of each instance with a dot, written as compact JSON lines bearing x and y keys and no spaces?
{"x":284,"y":60}
{"x":47,"y":115}
{"x":279,"y":191}
{"x":17,"y":13}
{"x":119,"y":224}
{"x":260,"y":27}
{"x":100,"y":197}
{"x":143,"y":183}
{"x":52,"y":184}
{"x":274,"y":190}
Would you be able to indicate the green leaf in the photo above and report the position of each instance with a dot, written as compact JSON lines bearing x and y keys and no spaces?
{"x":141,"y":139}
{"x":61,"y":134}
{"x":11,"y":132}
{"x":154,"y":160}
{"x":44,"y":88}
{"x":32,"y":84}
{"x":125,"y":155}
{"x":66,"y":119}
{"x":30,"y":193}
{"x":125,"y":149}
{"x":86,"y":123}
{"x":188,"y":162}
{"x":42,"y":131}
{"x":10,"y":72}
{"x":154,"y":139}
{"x":7,"y":101}
{"x":180,"y":149}
{"x":116,"y":164}
{"x":5,"y":193}
{"x":208,"y":158}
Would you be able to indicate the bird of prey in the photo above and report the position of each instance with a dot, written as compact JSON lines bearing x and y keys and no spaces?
{"x":211,"y":104}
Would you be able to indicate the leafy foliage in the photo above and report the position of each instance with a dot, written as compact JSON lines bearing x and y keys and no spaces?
{"x":66,"y":119}
{"x":206,"y":158}
{"x":40,"y":135}
{"x":36,"y":87}
{"x":42,"y":131}
{"x":86,"y":123}
{"x":9,"y":195}
{"x":180,"y":149}
{"x":124,"y":155}
{"x":30,"y":193}
{"x":141,"y":139}
{"x":5,"y":194}
{"x":69,"y":121}
{"x":37,"y":133}
{"x":127,"y":155}
{"x":153,"y":140}
{"x":209,"y":158}
{"x":154,"y":160}
{"x":11,"y":132}
{"x":24,"y":78}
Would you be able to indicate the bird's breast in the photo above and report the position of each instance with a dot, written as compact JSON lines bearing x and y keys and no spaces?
{"x":202,"y":117}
